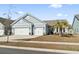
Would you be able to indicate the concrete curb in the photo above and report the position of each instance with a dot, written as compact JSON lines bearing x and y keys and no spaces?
{"x":41,"y":49}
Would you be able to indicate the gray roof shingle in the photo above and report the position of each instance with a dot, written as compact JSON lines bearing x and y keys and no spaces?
{"x":53,"y":22}
{"x":77,"y":16}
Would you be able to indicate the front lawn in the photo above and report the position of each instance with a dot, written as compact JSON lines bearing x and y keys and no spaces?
{"x":54,"y":38}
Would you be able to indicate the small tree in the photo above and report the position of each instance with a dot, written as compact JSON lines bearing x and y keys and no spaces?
{"x":8,"y":33}
{"x":61,"y":25}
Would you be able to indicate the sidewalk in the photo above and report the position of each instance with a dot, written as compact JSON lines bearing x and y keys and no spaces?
{"x":41,"y":49}
{"x":43,"y":42}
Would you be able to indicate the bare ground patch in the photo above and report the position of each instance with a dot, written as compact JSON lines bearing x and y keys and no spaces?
{"x":54,"y":38}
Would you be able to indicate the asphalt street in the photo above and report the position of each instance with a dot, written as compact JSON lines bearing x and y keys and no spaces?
{"x":19,"y":51}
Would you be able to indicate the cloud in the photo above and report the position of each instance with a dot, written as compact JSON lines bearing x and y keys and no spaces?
{"x":56,"y":5}
{"x":61,"y":14}
{"x":65,"y":15}
{"x":20,"y":12}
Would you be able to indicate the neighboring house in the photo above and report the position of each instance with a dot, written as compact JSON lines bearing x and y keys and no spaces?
{"x":75,"y":24}
{"x":1,"y":29}
{"x":5,"y":26}
{"x":29,"y":25}
{"x":54,"y":27}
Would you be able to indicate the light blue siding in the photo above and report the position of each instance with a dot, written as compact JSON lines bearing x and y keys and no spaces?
{"x":1,"y":26}
{"x":22,"y":23}
{"x":37,"y":23}
{"x":31,"y":22}
{"x":32,"y":19}
{"x":76,"y":26}
{"x":1,"y":29}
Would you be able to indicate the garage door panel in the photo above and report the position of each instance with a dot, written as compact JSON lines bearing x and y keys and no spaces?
{"x":1,"y":32}
{"x":38,"y":31}
{"x":22,"y":31}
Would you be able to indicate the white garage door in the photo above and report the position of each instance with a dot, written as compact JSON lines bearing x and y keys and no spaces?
{"x":38,"y":31}
{"x":1,"y":32}
{"x":22,"y":31}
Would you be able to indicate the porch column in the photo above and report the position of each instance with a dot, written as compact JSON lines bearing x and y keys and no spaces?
{"x":58,"y":30}
{"x":55,"y":30}
{"x":66,"y":30}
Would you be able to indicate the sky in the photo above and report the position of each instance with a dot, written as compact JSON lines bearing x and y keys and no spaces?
{"x":41,"y":11}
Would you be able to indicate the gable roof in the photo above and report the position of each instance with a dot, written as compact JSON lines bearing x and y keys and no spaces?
{"x":24,"y":16}
{"x":34,"y":17}
{"x":20,"y":18}
{"x":76,"y":16}
{"x":5,"y":21}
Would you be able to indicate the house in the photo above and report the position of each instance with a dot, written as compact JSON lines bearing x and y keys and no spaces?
{"x":4,"y":26}
{"x":21,"y":27}
{"x":75,"y":24}
{"x":55,"y":26}
{"x":28,"y":25}
{"x":1,"y":29}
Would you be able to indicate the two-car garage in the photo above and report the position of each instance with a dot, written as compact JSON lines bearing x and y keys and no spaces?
{"x":21,"y":31}
{"x":26,"y":31}
{"x":1,"y":32}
